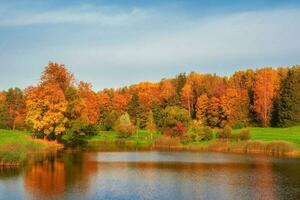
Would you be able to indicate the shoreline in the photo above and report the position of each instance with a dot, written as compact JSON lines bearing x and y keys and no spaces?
{"x":259,"y":148}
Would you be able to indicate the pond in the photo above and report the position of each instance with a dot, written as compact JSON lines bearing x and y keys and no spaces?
{"x":153,"y":175}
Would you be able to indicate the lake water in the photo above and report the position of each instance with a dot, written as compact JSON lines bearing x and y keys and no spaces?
{"x":153,"y":175}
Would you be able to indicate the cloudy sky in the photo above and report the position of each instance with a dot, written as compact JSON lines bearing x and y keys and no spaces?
{"x":112,"y":43}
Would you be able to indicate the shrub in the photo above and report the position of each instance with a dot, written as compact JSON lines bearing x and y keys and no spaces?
{"x":186,"y":139}
{"x":75,"y":134}
{"x":90,"y":129}
{"x":244,"y":134}
{"x":201,"y":133}
{"x":168,"y":142}
{"x":167,"y":132}
{"x":124,"y":126}
{"x":125,"y":131}
{"x":238,"y":125}
{"x":38,"y":135}
{"x":279,"y":147}
{"x":179,"y":130}
{"x":206,"y":133}
{"x":225,"y":133}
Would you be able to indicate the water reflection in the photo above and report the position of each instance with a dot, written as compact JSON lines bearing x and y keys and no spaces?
{"x":53,"y":177}
{"x":154,"y":175}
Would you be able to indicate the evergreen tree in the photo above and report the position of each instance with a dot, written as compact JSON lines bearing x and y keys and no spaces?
{"x":133,"y":107}
{"x":289,"y":101}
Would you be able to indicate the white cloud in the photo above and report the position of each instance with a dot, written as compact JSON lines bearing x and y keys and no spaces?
{"x":82,"y":14}
{"x":238,"y":39}
{"x":156,"y":44}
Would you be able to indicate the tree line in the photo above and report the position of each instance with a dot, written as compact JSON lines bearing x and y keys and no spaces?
{"x":59,"y":103}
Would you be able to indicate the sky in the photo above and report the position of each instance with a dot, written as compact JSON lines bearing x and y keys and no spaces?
{"x":113,"y":43}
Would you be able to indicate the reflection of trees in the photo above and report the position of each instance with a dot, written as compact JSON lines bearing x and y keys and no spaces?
{"x":264,"y":183}
{"x":55,"y":175}
{"x":6,"y":173}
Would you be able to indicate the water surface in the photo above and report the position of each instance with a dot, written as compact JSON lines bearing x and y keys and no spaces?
{"x":153,"y":175}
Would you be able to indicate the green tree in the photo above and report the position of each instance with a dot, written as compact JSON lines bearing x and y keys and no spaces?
{"x":15,"y":102}
{"x":110,"y":119}
{"x":289,"y":99}
{"x":174,"y":115}
{"x":133,"y":107}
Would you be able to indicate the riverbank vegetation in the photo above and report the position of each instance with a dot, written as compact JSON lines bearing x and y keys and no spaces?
{"x":17,"y":146}
{"x":189,"y":110}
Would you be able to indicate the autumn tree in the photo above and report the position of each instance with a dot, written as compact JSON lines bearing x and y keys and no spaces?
{"x":120,"y":101}
{"x":151,"y":127}
{"x":265,"y":90}
{"x":16,"y":106}
{"x":235,"y":105}
{"x":90,"y":111}
{"x":187,"y":97}
{"x":147,"y":94}
{"x":75,"y":104}
{"x":58,"y":74}
{"x":210,"y":111}
{"x":46,"y":105}
{"x":167,"y":91}
{"x":201,"y":108}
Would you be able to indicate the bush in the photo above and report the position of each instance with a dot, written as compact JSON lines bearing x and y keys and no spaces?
{"x":124,"y":127}
{"x":279,"y":148}
{"x":125,"y":131}
{"x":201,"y":133}
{"x":244,"y":134}
{"x":166,"y":142}
{"x":206,"y":133}
{"x":90,"y":129}
{"x":38,"y":135}
{"x":75,"y":134}
{"x":238,"y":125}
{"x":178,"y":131}
{"x":225,"y":133}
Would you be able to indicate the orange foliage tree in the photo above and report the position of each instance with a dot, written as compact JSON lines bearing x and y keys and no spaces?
{"x":265,"y":90}
{"x":90,"y":111}
{"x":186,"y":95}
{"x":46,"y":105}
{"x":120,"y":101}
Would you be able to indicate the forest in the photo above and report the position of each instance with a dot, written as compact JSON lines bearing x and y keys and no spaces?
{"x":189,"y":107}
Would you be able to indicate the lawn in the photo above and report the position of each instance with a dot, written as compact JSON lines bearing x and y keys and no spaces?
{"x":291,"y":135}
{"x":140,"y":137}
{"x":271,"y":134}
{"x":16,"y":146}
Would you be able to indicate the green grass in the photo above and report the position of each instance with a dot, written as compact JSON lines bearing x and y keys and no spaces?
{"x":141,"y":136}
{"x":16,"y":146}
{"x":291,"y":135}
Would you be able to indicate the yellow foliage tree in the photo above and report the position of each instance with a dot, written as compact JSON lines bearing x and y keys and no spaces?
{"x":46,"y":107}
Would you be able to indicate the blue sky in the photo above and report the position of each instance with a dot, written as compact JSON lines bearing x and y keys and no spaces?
{"x":113,"y":43}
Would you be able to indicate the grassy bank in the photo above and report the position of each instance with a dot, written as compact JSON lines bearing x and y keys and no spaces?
{"x":17,"y":146}
{"x":271,"y":141}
